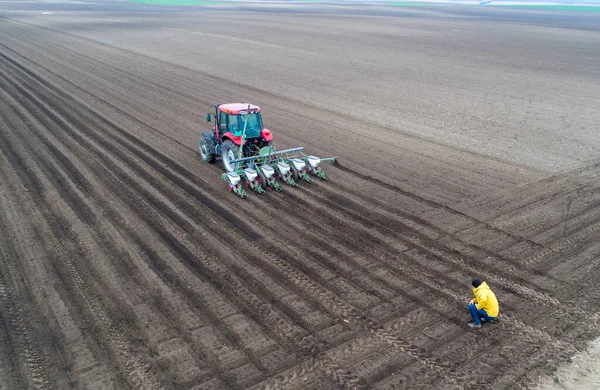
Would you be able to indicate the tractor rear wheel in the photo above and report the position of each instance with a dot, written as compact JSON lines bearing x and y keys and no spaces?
{"x":230,"y":153}
{"x":206,"y":147}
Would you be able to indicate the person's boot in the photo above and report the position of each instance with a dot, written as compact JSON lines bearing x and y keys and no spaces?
{"x":474,"y":325}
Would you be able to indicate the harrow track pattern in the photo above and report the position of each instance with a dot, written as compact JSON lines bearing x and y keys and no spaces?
{"x":35,"y":372}
{"x":135,"y":269}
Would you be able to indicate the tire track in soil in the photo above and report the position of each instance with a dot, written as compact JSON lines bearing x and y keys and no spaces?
{"x":364,"y":240}
{"x":79,"y":347}
{"x":530,"y":342}
{"x":395,"y":188}
{"x":245,"y":294}
{"x":559,"y":344}
{"x":7,"y":362}
{"x":86,"y":353}
{"x":300,"y":210}
{"x":554,"y":251}
{"x":247,"y":233}
{"x":112,"y":216}
{"x":27,"y":354}
{"x":116,"y":335}
{"x":435,"y":250}
{"x":528,"y":373}
{"x":420,"y":199}
{"x":505,"y":203}
{"x":520,"y":327}
{"x":491,"y":255}
{"x":553,"y":302}
{"x":170,"y":278}
{"x":528,"y":339}
{"x":136,"y":370}
{"x":525,"y":334}
{"x":71,"y":194}
{"x":334,"y":372}
{"x":294,"y":375}
{"x":361,"y":242}
{"x":63,"y":159}
{"x":571,"y":332}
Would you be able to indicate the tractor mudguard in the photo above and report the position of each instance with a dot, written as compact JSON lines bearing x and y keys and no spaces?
{"x":236,"y":140}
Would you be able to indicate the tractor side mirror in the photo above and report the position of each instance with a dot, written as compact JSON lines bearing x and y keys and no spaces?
{"x":208,"y":117}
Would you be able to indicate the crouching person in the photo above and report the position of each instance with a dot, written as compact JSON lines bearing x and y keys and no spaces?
{"x":484,"y":306}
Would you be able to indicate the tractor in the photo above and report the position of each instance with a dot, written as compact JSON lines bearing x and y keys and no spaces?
{"x":248,"y":155}
{"x":225,"y":141}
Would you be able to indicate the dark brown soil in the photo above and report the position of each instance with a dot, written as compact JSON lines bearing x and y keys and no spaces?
{"x":126,"y":263}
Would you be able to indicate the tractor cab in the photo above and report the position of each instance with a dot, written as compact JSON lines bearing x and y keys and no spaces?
{"x":237,"y":120}
{"x":238,"y":133}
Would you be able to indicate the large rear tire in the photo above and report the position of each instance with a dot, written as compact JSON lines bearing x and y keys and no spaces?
{"x":206,"y":147}
{"x":230,"y":152}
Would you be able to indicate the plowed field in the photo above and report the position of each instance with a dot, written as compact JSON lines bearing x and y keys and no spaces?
{"x":126,"y":263}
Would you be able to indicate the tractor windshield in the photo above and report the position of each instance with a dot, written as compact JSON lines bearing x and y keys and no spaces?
{"x":253,"y":125}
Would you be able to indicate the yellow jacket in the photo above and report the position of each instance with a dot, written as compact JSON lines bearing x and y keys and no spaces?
{"x":486,"y":299}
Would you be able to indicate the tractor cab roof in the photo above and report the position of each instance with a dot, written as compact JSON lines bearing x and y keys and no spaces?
{"x":238,"y":108}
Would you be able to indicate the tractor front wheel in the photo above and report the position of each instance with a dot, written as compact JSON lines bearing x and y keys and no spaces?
{"x":206,"y":147}
{"x":230,"y":153}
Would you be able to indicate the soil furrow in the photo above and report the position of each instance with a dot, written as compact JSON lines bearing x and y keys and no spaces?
{"x":104,"y":248}
{"x":127,"y":264}
{"x":56,"y":225}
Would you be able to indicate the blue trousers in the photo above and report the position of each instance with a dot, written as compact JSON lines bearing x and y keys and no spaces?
{"x":477,"y":314}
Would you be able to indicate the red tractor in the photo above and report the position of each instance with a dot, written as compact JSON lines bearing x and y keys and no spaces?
{"x":238,"y":125}
{"x":244,"y":146}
